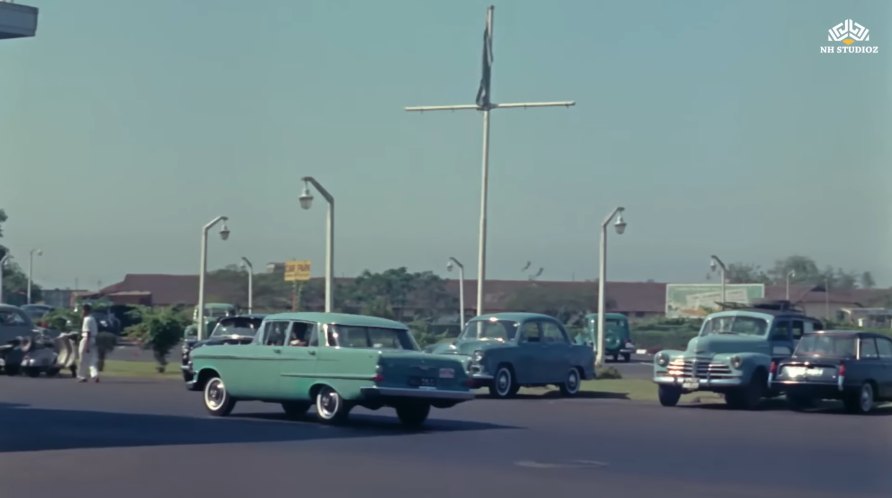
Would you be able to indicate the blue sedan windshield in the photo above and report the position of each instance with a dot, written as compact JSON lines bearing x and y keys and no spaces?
{"x":503,"y":330}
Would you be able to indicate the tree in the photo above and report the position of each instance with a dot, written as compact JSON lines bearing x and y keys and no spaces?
{"x":867,"y":281}
{"x":160,"y":330}
{"x":743,"y":273}
{"x":395,"y":293}
{"x":563,"y":304}
{"x":15,"y":281}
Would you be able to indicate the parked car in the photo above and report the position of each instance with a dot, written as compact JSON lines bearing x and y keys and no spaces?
{"x":36,"y":311}
{"x":239,"y":329}
{"x":507,"y":351}
{"x":335,"y":361}
{"x":213,"y":312}
{"x":852,"y":366}
{"x":617,"y":339}
{"x":733,"y":353}
{"x":15,"y":325}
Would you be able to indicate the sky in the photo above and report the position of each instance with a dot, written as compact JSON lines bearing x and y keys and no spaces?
{"x":125,"y":126}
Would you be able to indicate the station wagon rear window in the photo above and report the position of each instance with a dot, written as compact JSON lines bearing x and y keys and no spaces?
{"x":347,"y":336}
{"x":237,"y":326}
{"x":740,"y":324}
{"x":836,"y":346}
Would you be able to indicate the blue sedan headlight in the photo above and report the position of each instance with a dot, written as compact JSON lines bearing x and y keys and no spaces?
{"x":736,"y":361}
{"x":662,"y":359}
{"x":477,"y":357}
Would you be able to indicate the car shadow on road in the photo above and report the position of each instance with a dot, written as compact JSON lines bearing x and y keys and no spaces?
{"x":554,"y":394}
{"x":780,"y":404}
{"x":37,"y":429}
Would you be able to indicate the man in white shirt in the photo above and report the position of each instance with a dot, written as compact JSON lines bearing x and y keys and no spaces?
{"x":87,"y":347}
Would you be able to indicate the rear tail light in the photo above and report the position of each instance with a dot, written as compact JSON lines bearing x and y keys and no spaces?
{"x":773,"y":368}
{"x":379,"y":376}
{"x":469,"y":382}
{"x":842,"y":369}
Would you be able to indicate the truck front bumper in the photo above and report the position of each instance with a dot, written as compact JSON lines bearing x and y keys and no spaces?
{"x":691,"y":384}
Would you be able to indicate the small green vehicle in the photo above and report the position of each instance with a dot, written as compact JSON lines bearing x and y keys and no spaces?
{"x":617,"y":338}
{"x":732,"y":354}
{"x":333,"y":361}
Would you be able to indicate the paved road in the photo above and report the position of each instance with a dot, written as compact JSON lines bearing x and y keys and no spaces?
{"x":119,"y":437}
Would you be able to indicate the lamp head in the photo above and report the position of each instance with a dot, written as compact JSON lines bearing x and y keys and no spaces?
{"x":712,"y":264}
{"x":449,"y":265}
{"x":306,"y":198}
{"x":620,"y":224}
{"x":224,"y":231}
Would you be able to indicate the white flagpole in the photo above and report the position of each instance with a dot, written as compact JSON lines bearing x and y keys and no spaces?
{"x":484,"y":191}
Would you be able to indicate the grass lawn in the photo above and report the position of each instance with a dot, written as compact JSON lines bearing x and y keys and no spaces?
{"x":147,"y":369}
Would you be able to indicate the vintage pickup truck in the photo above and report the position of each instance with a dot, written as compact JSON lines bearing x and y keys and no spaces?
{"x":333,"y":361}
{"x":732,"y":354}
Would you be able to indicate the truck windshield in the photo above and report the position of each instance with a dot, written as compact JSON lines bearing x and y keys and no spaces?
{"x":741,"y":325}
{"x":830,"y":345}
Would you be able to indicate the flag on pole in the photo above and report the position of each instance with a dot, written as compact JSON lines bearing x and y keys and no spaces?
{"x":483,"y":93}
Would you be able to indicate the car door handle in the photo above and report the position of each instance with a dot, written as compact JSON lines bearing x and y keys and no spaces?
{"x":311,"y":353}
{"x":279,"y":351}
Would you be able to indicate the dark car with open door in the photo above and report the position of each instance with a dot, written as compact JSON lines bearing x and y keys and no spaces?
{"x":238,"y":329}
{"x":852,"y":366}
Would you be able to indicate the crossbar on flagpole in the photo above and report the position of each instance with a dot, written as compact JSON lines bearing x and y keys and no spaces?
{"x":471,"y":107}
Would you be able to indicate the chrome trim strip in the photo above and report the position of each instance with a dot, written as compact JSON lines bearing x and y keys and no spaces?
{"x":418,"y":393}
{"x":328,"y":376}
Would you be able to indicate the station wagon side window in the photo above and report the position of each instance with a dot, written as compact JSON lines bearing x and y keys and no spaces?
{"x":869,"y":349}
{"x":300,"y":333}
{"x":276,"y":333}
{"x":530,"y":332}
{"x":314,"y":336}
{"x":554,"y":334}
{"x":780,"y":330}
{"x":798,"y":329}
{"x":884,"y":346}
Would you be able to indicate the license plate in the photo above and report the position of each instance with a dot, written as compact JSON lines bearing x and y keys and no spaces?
{"x":447,"y":373}
{"x":814,"y":372}
{"x":795,"y":371}
{"x":690,"y":384}
{"x":429,"y":382}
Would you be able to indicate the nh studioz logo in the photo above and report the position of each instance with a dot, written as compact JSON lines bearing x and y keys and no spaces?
{"x":848,"y":33}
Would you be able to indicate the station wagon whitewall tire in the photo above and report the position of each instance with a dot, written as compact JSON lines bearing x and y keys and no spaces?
{"x":570,"y":387}
{"x":330,"y":406}
{"x":217,"y":400}
{"x":503,"y":383}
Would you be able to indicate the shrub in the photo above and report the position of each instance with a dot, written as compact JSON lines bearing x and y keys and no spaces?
{"x":160,"y":330}
{"x":609,"y":373}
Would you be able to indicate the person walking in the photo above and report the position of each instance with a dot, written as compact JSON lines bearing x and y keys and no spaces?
{"x":87,"y":347}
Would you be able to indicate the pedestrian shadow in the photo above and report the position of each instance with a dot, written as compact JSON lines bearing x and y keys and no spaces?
{"x":37,"y":429}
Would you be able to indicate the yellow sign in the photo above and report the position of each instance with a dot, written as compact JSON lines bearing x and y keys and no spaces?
{"x":296,"y":271}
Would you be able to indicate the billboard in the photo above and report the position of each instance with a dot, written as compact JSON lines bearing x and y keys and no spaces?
{"x":698,"y":300}
{"x":297,"y":270}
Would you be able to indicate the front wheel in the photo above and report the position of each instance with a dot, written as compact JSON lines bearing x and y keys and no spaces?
{"x":330,"y":406}
{"x":504,"y":385}
{"x":669,"y":395}
{"x":217,"y":400}
{"x":748,"y":397}
{"x":413,"y":414}
{"x":32,"y":372}
{"x":627,"y":357}
{"x":570,"y":387}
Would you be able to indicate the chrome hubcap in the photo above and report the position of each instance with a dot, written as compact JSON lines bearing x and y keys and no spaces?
{"x":215,"y":394}
{"x":328,"y":403}
{"x":573,"y":381}
{"x":866,"y":397}
{"x":504,"y":381}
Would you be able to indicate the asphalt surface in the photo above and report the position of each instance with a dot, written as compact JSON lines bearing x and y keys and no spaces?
{"x":140,"y":438}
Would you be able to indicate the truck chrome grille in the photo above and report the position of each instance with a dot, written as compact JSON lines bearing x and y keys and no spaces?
{"x":685,"y":367}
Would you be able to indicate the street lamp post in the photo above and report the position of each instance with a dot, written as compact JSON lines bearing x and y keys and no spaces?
{"x":247,"y":265}
{"x":306,"y":200}
{"x":224,"y":234}
{"x":712,"y":264}
{"x":827,"y":297}
{"x":620,"y":226}
{"x":39,"y":252}
{"x":790,"y":274}
{"x":461,"y":287}
{"x":3,"y":261}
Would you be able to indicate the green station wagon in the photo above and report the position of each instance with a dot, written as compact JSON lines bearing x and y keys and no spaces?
{"x":333,"y":361}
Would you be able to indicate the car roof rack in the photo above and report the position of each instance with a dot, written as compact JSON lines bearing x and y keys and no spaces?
{"x":762,"y":304}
